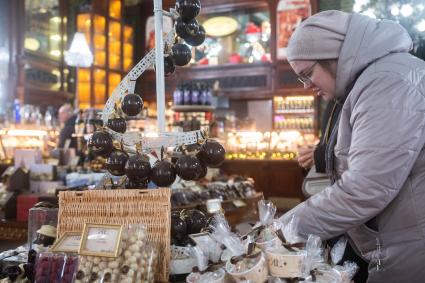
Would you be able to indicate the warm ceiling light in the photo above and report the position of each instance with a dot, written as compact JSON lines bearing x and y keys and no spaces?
{"x":79,"y":54}
{"x":220,"y":26}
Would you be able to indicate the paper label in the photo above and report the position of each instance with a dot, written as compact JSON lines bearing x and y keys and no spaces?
{"x":101,"y":240}
{"x":239,"y":203}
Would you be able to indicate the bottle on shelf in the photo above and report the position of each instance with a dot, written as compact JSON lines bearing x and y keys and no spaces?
{"x":17,"y":111}
{"x":186,"y":95}
{"x":195,"y":97}
{"x":48,"y":117}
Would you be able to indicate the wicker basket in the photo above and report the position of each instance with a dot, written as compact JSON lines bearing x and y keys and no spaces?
{"x":149,"y":207}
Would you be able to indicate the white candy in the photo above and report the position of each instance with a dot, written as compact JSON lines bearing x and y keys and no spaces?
{"x":133,"y":259}
{"x":134,"y":266}
{"x":134,"y":248}
{"x":113,"y":264}
{"x":132,"y":239}
{"x":95,"y":269}
{"x":137,"y":255}
{"x":130,"y":273}
{"x":102,"y":265}
{"x":96,"y":260}
{"x":127,"y":254}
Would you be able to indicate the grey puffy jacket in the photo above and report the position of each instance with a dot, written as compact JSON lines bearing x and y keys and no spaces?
{"x":379,"y":155}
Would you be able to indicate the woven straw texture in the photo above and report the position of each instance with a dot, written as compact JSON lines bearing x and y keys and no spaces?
{"x":149,"y":207}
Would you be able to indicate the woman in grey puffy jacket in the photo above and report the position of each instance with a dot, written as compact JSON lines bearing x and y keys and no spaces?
{"x":376,"y":155}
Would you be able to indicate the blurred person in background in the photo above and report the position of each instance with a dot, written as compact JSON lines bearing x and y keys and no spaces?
{"x":67,"y":123}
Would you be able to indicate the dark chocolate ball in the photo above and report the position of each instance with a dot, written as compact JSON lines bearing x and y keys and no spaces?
{"x":188,"y":9}
{"x":188,"y":167}
{"x":181,"y":54}
{"x":138,"y":167}
{"x":117,"y":124}
{"x":186,"y":242}
{"x":193,"y":147}
{"x":178,"y":228}
{"x":116,"y":161}
{"x":137,"y":184}
{"x":100,"y":143}
{"x":195,"y":220}
{"x":163,"y":174}
{"x":169,"y":67}
{"x":192,"y":27}
{"x":181,"y":28}
{"x":198,"y":38}
{"x":175,"y":213}
{"x":212,"y":153}
{"x":132,"y":104}
{"x":203,"y":172}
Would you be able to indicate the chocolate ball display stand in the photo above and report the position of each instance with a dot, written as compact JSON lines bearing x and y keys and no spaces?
{"x":129,"y":154}
{"x":130,"y":159}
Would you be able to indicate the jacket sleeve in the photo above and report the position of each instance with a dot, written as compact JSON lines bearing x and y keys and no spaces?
{"x":387,"y":122}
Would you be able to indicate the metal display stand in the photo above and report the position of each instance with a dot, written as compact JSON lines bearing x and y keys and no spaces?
{"x":128,"y":84}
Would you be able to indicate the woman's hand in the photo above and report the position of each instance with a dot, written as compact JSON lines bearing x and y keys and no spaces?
{"x":306,"y":156}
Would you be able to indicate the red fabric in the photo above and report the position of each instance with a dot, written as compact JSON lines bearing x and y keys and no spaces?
{"x":24,"y":203}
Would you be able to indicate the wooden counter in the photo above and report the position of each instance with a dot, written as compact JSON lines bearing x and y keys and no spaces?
{"x":279,"y":180}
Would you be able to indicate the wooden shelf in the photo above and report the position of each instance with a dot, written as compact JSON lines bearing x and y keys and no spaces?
{"x":193,"y":108}
{"x":105,"y":24}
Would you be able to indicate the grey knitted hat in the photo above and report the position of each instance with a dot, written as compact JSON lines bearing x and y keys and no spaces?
{"x":319,"y":37}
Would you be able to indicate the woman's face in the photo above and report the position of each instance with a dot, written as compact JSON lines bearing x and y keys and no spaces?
{"x":315,"y":77}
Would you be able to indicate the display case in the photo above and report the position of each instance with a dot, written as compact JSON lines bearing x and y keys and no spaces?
{"x":41,"y":41}
{"x":295,"y":113}
{"x":276,"y":145}
{"x":111,"y":43}
{"x":235,"y":37}
{"x":26,"y":137}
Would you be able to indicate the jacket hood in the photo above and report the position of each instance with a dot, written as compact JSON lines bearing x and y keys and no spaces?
{"x":366,"y":41}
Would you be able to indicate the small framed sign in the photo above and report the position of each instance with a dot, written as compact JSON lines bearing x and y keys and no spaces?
{"x":100,"y":240}
{"x":68,"y":243}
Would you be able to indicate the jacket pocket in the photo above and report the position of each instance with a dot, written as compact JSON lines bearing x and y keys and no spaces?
{"x":365,"y":240}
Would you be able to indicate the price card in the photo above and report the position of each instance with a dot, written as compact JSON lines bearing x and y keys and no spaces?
{"x":68,"y":243}
{"x":239,"y":203}
{"x":213,"y":206}
{"x":100,"y":240}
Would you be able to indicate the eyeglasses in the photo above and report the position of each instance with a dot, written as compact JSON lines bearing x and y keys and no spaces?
{"x":305,"y":77}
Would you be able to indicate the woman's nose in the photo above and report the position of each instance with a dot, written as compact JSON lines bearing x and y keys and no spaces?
{"x":307,"y":85}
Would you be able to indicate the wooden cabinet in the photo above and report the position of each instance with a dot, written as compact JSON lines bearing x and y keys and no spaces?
{"x":279,"y":180}
{"x":258,"y":80}
{"x":37,"y":40}
{"x":111,"y":42}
